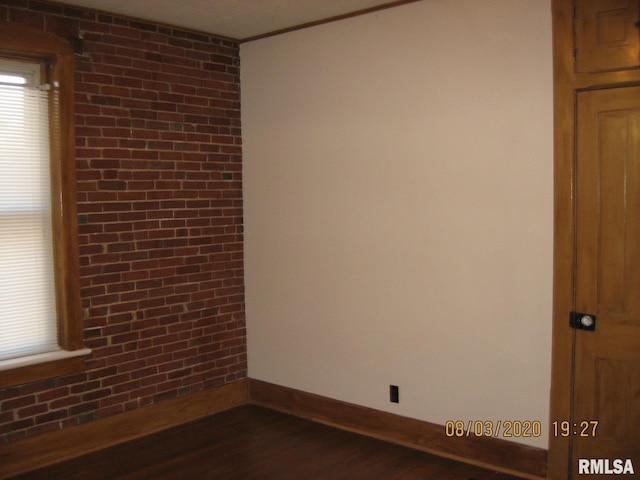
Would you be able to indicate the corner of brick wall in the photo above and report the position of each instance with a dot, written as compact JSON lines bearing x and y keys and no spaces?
{"x":159,"y":177}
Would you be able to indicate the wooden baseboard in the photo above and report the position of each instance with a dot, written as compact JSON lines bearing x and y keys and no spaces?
{"x":50,"y":448}
{"x":31,"y":454}
{"x":497,"y":454}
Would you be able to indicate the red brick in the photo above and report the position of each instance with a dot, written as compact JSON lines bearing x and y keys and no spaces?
{"x":18,"y":403}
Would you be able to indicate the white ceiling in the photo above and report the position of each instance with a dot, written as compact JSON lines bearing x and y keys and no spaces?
{"x":238,"y":19}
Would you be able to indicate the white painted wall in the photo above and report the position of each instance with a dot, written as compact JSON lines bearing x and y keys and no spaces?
{"x":398,"y":206}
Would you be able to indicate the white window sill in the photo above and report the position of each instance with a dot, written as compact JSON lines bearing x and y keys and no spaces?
{"x":13,"y":363}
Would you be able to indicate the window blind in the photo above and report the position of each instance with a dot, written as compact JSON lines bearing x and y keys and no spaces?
{"x":27,"y":292}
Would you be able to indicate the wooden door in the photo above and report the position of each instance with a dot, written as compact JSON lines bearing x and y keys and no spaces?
{"x":607,"y":277}
{"x":606,"y":35}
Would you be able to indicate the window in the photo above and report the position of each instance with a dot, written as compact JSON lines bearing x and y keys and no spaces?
{"x":40,"y":322}
{"x":27,"y":298}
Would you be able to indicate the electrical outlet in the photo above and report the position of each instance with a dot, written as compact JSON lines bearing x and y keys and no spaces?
{"x":394,"y":394}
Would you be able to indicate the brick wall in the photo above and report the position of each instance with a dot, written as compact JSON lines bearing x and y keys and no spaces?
{"x":160,"y":218}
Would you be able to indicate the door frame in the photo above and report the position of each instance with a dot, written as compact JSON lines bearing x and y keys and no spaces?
{"x":563,"y":234}
{"x":566,"y":84}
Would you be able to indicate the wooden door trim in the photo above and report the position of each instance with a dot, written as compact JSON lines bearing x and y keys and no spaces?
{"x":564,"y":227}
{"x":567,"y":83}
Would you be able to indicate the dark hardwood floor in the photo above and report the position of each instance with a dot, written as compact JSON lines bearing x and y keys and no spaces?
{"x":251,"y":442}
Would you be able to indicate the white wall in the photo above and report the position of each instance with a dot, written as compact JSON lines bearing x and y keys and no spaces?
{"x":398,"y":209}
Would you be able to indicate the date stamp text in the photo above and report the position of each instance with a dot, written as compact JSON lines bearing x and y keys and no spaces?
{"x":493,"y":428}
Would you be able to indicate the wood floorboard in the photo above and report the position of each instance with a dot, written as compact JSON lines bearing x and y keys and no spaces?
{"x":255,"y":443}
